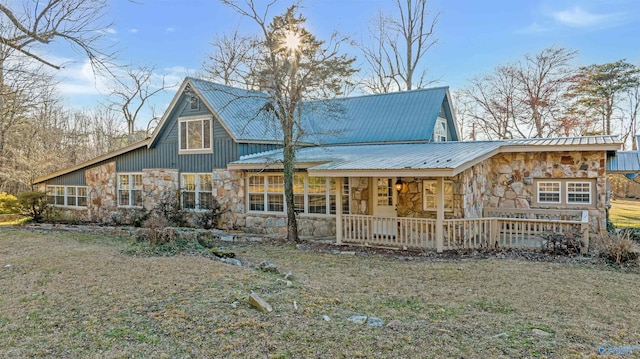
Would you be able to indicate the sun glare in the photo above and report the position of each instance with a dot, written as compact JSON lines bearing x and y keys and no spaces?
{"x":291,"y":41}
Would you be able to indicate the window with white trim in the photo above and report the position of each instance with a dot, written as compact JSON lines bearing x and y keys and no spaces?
{"x":549,"y":192}
{"x":313,"y":195}
{"x":70,"y":196}
{"x":429,"y":195}
{"x":130,"y":189}
{"x":195,"y":134}
{"x":579,"y":192}
{"x":197,"y":190}
{"x":440,"y":130}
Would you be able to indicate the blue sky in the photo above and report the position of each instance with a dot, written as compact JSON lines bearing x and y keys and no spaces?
{"x":473,"y":36}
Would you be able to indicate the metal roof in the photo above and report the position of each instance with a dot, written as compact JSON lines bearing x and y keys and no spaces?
{"x":566,"y":141}
{"x":453,"y":155}
{"x":624,"y":161}
{"x":393,"y":117}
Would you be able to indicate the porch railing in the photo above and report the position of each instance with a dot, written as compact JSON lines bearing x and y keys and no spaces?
{"x":507,"y":229}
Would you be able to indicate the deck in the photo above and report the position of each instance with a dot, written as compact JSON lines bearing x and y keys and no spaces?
{"x":499,"y":228}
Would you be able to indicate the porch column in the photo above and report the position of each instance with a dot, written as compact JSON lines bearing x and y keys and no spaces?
{"x":339,"y":210}
{"x":440,"y":214}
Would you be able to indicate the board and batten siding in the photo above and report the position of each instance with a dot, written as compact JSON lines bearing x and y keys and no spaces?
{"x":164,"y":154}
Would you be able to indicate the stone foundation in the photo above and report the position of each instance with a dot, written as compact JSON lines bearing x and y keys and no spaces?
{"x":277,"y":224}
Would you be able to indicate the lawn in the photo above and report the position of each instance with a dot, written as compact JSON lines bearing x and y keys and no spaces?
{"x":77,"y":296}
{"x":625,"y":213}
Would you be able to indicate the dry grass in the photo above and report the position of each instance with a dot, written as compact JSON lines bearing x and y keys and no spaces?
{"x":74,"y":296}
{"x":625,"y":213}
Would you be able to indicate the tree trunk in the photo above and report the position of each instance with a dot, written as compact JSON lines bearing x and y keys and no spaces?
{"x":289,"y":158}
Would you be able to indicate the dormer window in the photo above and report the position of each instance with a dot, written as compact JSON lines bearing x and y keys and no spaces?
{"x":440,"y":130}
{"x":195,"y":134}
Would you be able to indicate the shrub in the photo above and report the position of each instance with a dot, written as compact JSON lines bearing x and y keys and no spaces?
{"x":633,"y":233}
{"x":9,"y":204}
{"x":168,"y":207}
{"x":568,"y":243}
{"x":209,"y":218}
{"x":617,"y":248}
{"x":33,"y":204}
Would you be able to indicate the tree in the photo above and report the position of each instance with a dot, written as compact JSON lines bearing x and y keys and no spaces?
{"x":232,"y":59}
{"x":132,"y":91}
{"x":27,"y":25}
{"x":397,"y":47}
{"x":596,"y":90}
{"x":298,"y":67}
{"x":543,"y":80}
{"x":525,"y":98}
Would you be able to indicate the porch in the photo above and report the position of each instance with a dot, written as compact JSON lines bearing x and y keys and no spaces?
{"x":499,"y":228}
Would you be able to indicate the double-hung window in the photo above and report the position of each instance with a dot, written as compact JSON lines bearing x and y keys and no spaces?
{"x":430,"y":198}
{"x":130,"y":190}
{"x":440,"y":130}
{"x":195,"y":134}
{"x":197,"y":191}
{"x":565,"y":192}
{"x":579,"y":192}
{"x":549,"y":192}
{"x":72,"y":196}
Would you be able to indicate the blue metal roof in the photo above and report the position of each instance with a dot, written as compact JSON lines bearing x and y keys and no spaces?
{"x":624,"y":162}
{"x":393,"y":117}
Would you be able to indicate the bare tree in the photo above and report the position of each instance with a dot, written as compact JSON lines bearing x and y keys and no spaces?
{"x":543,"y":81}
{"x":525,"y":98}
{"x":132,"y":92}
{"x":232,"y":59}
{"x":397,"y":47}
{"x":297,"y":67}
{"x":27,"y":25}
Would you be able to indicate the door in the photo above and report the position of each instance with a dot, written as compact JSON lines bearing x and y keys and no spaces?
{"x":384,"y":206}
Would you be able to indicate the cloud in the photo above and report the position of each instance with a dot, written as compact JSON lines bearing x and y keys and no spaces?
{"x":133,"y":31}
{"x":170,"y":29}
{"x":578,"y":17}
{"x":110,"y":30}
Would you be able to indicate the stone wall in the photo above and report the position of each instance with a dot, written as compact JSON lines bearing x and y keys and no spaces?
{"x":410,"y":199}
{"x":102,"y":198}
{"x":229,"y":191}
{"x":359,"y":195}
{"x":277,"y":224}
{"x":511,"y":180}
{"x":474,"y":185}
{"x":158,"y":182}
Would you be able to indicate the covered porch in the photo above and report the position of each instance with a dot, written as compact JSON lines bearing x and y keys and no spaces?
{"x":383,"y":225}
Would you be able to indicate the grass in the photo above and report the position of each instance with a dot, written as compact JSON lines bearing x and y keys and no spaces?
{"x":76,"y":296}
{"x":625,"y":213}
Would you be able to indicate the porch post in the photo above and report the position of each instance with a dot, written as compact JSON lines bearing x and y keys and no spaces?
{"x":440,"y":214}
{"x":339,"y":210}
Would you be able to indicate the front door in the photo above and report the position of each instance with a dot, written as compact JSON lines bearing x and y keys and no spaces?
{"x":385,"y":206}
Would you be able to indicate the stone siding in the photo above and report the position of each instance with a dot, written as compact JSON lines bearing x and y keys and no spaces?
{"x":158,"y":182}
{"x":511,"y":180}
{"x":102,"y":197}
{"x":229,"y":191}
{"x":277,"y":224}
{"x":359,"y":193}
{"x":410,"y":199}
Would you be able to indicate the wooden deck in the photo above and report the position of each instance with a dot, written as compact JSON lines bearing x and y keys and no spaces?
{"x":498,"y":229}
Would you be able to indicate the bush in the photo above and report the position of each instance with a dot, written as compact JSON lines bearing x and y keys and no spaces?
{"x":633,"y":233}
{"x":617,"y":248}
{"x":168,"y":207}
{"x":567,"y":244}
{"x":33,"y":204}
{"x":9,"y":204}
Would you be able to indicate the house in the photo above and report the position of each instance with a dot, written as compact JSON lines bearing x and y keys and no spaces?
{"x":385,"y":169}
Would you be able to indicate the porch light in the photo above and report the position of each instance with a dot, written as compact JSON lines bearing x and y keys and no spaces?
{"x":399,"y":185}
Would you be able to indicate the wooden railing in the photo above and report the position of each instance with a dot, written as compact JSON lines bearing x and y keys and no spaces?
{"x":522,"y":230}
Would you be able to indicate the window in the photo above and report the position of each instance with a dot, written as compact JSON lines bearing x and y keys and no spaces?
{"x":194,"y":103}
{"x":430,"y":199}
{"x":195,"y":134}
{"x":346,"y":201}
{"x":197,"y":191}
{"x":579,"y":192}
{"x":130,"y":190}
{"x":440,"y":130}
{"x":548,"y":192}
{"x":565,"y":192}
{"x":315,"y":195}
{"x":72,"y":196}
{"x":384,"y":190}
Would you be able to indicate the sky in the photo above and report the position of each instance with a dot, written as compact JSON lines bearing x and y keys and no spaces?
{"x":473,"y":36}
